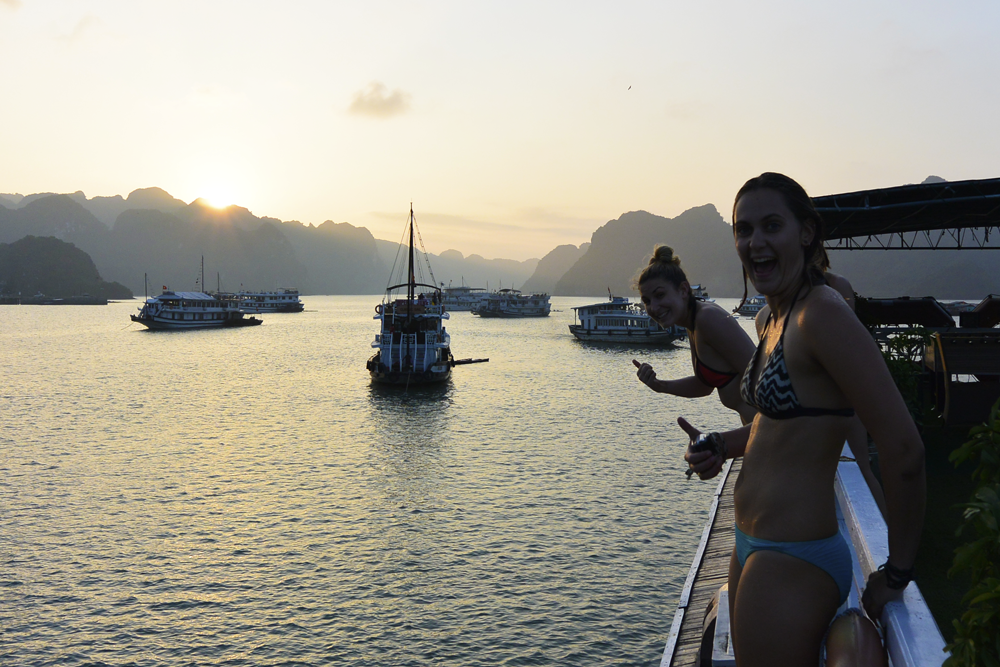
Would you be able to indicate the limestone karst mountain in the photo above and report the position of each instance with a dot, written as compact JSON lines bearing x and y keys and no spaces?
{"x":554,"y":266}
{"x":620,"y":248}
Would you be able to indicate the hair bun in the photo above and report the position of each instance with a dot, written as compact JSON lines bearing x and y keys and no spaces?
{"x":665,"y":254}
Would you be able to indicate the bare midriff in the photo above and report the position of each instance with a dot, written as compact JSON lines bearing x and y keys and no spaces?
{"x":785,"y":489}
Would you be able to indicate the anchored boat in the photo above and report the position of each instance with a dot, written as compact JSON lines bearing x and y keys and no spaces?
{"x":191,"y":310}
{"x":511,"y":303}
{"x":412,"y":346}
{"x":617,"y":320}
{"x":282,"y":300}
{"x":752,"y":306}
{"x":462,"y":298}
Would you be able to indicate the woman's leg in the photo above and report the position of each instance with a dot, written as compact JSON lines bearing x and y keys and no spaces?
{"x":735,"y":569}
{"x":782,"y":608}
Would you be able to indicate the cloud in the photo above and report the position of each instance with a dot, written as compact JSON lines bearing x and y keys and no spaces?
{"x":376,"y":101}
{"x":86,"y":24}
{"x":11,"y":4}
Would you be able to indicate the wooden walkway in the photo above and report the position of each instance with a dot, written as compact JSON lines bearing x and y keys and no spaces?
{"x":709,"y":571}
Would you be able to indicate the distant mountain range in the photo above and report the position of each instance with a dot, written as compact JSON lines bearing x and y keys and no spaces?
{"x":45,"y":265}
{"x":152,"y":233}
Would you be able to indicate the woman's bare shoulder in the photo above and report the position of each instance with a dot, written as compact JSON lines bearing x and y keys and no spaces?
{"x":718,"y":318}
{"x":825,"y":316}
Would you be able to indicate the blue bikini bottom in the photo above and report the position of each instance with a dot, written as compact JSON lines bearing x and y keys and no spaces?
{"x":832,"y":555}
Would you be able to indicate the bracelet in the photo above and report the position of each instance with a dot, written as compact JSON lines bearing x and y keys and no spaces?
{"x":721,"y":449}
{"x":896,"y":578}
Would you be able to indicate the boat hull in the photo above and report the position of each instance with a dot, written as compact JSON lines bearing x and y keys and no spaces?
{"x":494,"y":313}
{"x":382,"y":375}
{"x":164,"y":325}
{"x":645,"y":337}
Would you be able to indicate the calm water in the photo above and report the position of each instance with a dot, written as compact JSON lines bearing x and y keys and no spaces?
{"x":246,"y":497}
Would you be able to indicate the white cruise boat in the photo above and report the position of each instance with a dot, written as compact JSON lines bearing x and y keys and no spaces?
{"x":282,"y":300}
{"x":511,"y":303}
{"x":412,"y":346}
{"x":617,"y":320}
{"x":752,"y":306}
{"x":191,"y":310}
{"x":462,"y":298}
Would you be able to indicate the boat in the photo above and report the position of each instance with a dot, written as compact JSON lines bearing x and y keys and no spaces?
{"x":618,"y":320}
{"x":191,"y":310}
{"x":512,"y":303}
{"x":282,"y":300}
{"x":462,"y":298}
{"x":412,"y":346}
{"x":699,"y":292}
{"x":752,"y":306}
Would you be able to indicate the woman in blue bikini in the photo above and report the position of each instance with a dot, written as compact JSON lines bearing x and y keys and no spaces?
{"x":816,"y":366}
{"x":720,"y":349}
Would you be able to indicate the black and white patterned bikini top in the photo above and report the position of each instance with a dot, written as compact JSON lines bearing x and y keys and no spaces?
{"x":773,"y":394}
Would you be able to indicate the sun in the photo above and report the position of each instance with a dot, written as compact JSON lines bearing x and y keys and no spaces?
{"x":219,"y":198}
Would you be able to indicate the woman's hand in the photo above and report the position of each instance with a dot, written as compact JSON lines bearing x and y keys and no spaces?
{"x":877,"y":593}
{"x":647,"y":376}
{"x":705,"y":463}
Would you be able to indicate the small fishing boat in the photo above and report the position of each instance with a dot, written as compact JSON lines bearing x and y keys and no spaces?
{"x":512,"y":303}
{"x":191,"y":310}
{"x":617,"y":320}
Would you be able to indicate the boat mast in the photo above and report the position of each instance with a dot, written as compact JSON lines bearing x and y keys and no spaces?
{"x":202,"y":273}
{"x":412,"y":280}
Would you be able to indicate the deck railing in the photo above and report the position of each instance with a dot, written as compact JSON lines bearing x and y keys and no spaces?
{"x":912,"y":637}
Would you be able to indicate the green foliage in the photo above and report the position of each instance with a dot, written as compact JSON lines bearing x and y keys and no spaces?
{"x":903,"y":354}
{"x":977,"y":632}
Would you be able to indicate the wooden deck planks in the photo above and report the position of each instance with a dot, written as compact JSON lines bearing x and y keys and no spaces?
{"x":712,"y":573}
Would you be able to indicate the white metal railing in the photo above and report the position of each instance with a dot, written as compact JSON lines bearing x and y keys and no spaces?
{"x":912,"y":637}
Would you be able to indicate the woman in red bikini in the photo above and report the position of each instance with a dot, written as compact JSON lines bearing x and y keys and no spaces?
{"x":720,"y":349}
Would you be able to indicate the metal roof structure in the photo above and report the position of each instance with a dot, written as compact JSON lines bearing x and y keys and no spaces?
{"x":931,"y":216}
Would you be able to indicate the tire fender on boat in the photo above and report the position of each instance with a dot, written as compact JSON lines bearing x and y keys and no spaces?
{"x":378,"y":309}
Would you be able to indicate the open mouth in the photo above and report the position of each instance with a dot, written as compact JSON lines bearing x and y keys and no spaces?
{"x":763,"y":266}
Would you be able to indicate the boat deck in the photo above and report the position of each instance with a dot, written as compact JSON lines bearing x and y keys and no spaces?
{"x":710,"y":571}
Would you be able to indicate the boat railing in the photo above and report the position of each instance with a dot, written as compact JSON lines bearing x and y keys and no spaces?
{"x":912,"y":637}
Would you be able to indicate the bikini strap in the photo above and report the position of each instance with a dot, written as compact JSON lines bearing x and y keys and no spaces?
{"x":788,"y":316}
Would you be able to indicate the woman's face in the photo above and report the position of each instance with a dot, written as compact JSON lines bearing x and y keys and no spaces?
{"x":664,"y":301}
{"x":770,"y":241}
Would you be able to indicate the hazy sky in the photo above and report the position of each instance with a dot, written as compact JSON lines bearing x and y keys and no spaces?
{"x":510,"y":125}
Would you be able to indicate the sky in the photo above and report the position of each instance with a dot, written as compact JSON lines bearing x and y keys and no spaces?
{"x":512,"y":127}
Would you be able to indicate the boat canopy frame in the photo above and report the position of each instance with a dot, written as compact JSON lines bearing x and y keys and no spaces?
{"x":950,"y":215}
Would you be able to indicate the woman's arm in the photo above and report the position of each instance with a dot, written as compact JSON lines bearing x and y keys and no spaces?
{"x":847,"y":352}
{"x":689,"y":387}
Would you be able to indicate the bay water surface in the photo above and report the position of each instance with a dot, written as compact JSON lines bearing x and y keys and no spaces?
{"x":248,"y":497}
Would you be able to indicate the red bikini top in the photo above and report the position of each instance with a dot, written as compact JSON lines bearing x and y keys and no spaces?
{"x":709,"y":376}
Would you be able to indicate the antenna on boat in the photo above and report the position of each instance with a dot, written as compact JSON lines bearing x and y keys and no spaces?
{"x":202,"y":273}
{"x":145,"y":286}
